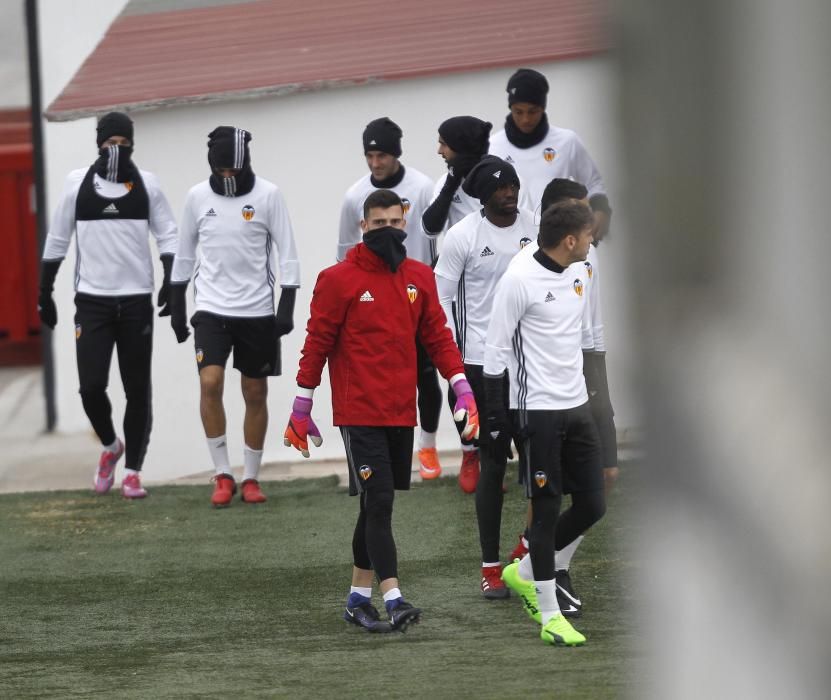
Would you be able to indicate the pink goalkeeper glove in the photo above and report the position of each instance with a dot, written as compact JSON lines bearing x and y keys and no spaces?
{"x":465,"y":412}
{"x":301,"y":427}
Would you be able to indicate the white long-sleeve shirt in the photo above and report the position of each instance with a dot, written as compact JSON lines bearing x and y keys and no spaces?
{"x":538,"y":326}
{"x":238,"y":239}
{"x":561,"y":154}
{"x":475,"y":255}
{"x":112,"y":254}
{"x":416,"y":192}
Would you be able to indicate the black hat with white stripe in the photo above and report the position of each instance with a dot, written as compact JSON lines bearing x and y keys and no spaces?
{"x":487,"y":176}
{"x":228,"y":148}
{"x":383,"y":135}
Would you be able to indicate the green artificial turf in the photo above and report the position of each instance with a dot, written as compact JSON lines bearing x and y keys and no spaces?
{"x":100,"y":597}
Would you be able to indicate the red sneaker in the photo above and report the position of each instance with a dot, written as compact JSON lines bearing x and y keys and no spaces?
{"x":131,"y":487}
{"x":224,"y":490}
{"x":469,"y":473}
{"x":251,"y":492}
{"x":520,"y":550}
{"x":493,"y":587}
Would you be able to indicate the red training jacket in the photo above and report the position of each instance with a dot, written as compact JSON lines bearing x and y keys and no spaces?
{"x":364,"y":321}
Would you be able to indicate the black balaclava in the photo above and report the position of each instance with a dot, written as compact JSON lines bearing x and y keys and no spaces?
{"x":228,"y":148}
{"x":115,"y":163}
{"x":383,"y":135}
{"x":527,"y":85}
{"x":388,"y":244}
{"x":487,"y":176}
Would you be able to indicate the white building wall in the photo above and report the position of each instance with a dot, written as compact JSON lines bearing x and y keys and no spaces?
{"x":310,"y":145}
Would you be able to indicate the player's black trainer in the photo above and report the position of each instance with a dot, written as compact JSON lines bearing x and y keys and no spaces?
{"x":569,"y":602}
{"x":365,"y":615}
{"x":403,"y":615}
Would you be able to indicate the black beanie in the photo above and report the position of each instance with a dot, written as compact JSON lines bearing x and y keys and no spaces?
{"x":527,"y":85}
{"x":466,"y":134}
{"x":487,"y":176}
{"x":114,"y":124}
{"x":383,"y":135}
{"x":228,"y":148}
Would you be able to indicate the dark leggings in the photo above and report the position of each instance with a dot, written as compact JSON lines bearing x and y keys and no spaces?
{"x":373,"y":546}
{"x":126,"y":324}
{"x":549,"y":532}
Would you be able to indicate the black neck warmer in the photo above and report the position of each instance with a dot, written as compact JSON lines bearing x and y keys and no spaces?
{"x":388,"y":244}
{"x":391,"y":181}
{"x":114,"y":164}
{"x":235,"y":186}
{"x":522,"y":140}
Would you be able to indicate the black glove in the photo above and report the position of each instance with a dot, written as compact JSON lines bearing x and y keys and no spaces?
{"x":46,"y":305}
{"x":179,"y":311}
{"x":164,"y":292}
{"x":285,"y":311}
{"x":496,"y":409}
{"x":435,"y":216}
{"x":590,"y":372}
{"x":462,"y":163}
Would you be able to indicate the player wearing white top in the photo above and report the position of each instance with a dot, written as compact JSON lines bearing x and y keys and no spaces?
{"x":476,"y":253}
{"x":541,"y":152}
{"x":241,"y":226}
{"x":382,"y":150}
{"x":111,"y":207}
{"x":536,"y":334}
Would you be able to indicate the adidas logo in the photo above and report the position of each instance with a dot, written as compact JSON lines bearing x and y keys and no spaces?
{"x":497,"y":174}
{"x":110,"y":209}
{"x":508,"y":159}
{"x":486,"y":252}
{"x":457,"y":199}
{"x":373,"y":142}
{"x":210,"y":212}
{"x":550,"y":297}
{"x":366,"y":296}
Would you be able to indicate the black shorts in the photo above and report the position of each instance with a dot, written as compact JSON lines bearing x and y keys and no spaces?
{"x":378,"y":457}
{"x":559,"y":451}
{"x":254,"y":341}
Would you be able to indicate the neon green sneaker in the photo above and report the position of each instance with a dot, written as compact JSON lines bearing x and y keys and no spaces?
{"x":558,"y":631}
{"x":524,"y":589}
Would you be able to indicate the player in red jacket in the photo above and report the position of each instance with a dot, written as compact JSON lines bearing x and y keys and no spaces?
{"x":366,"y":314}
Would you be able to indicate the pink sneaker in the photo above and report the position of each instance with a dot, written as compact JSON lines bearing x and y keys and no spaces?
{"x":131,"y":487}
{"x":105,"y":475}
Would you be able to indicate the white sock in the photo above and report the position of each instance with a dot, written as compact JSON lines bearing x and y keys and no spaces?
{"x":218,"y":447}
{"x":392,"y":594}
{"x":547,"y":599}
{"x":111,"y":448}
{"x":486,"y":564}
{"x":525,"y":569}
{"x":562,"y":558}
{"x":365,"y":592}
{"x":426,"y":440}
{"x":128,"y":472}
{"x":469,"y":448}
{"x":253,"y":459}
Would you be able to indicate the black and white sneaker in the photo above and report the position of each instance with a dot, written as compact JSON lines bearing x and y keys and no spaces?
{"x":569,"y":602}
{"x":403,"y":615}
{"x":365,"y":615}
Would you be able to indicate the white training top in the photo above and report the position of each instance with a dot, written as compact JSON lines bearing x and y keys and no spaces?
{"x":238,"y":238}
{"x":474,"y":256}
{"x":536,"y":331}
{"x":561,"y":154}
{"x":596,"y":340}
{"x":112,"y":255}
{"x":463,"y":204}
{"x":415,"y":190}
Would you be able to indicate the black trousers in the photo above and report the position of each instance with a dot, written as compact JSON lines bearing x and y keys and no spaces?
{"x":126,"y":324}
